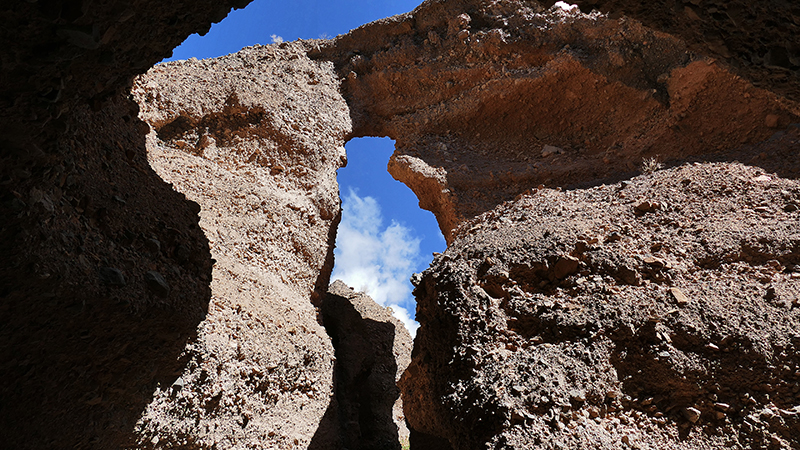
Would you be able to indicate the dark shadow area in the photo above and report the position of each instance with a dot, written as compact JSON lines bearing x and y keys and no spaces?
{"x":105,"y":273}
{"x":777,"y":155}
{"x":364,"y":374}
{"x":105,"y":276}
{"x":422,"y":441}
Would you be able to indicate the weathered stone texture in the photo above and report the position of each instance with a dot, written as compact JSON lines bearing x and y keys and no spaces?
{"x":673,"y":328}
{"x":759,"y":39}
{"x":85,"y":338}
{"x":255,"y":139}
{"x":476,"y":92}
{"x":580,"y":305}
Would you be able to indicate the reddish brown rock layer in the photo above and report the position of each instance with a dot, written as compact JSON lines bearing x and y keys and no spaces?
{"x":474,"y":92}
{"x":759,"y":39}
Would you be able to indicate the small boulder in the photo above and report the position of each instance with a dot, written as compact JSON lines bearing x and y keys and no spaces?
{"x":112,"y":277}
{"x":156,"y":283}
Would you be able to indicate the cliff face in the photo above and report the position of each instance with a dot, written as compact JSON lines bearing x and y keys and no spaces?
{"x":601,"y":316}
{"x":104,"y":273}
{"x":255,"y":139}
{"x":489,"y":99}
{"x":373,"y":350}
{"x":580,"y":304}
{"x":659,"y":312}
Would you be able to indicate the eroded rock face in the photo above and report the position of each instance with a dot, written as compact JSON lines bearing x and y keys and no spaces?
{"x":660,"y":312}
{"x":373,"y":350}
{"x":255,"y":139}
{"x":487,"y":99}
{"x":630,"y":314}
{"x":104,"y":272}
{"x":760,"y":40}
{"x":539,"y":335}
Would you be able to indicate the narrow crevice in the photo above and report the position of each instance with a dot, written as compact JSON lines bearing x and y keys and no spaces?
{"x":371,"y":348}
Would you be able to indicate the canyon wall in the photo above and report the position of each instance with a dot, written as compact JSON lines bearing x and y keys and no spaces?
{"x":581,"y":304}
{"x":255,"y":138}
{"x":105,"y":273}
{"x":489,"y":99}
{"x":619,"y":199}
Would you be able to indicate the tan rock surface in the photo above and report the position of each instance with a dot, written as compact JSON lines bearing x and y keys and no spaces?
{"x":255,"y":139}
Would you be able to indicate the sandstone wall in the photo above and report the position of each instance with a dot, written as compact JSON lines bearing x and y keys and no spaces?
{"x":583,"y":319}
{"x":536,"y":331}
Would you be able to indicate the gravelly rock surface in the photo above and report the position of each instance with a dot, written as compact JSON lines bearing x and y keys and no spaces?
{"x":760,"y":40}
{"x":255,"y":139}
{"x":660,"y":312}
{"x":649,"y":311}
{"x":489,"y":98}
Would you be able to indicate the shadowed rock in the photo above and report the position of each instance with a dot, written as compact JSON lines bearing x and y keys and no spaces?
{"x":372,"y":350}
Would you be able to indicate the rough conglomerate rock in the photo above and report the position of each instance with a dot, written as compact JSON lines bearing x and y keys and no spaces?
{"x":759,"y":39}
{"x":624,"y":311}
{"x":255,"y":139}
{"x":660,"y":312}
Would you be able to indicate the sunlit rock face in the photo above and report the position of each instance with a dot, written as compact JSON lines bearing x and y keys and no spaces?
{"x":255,"y":139}
{"x":658,"y":312}
{"x":489,"y":99}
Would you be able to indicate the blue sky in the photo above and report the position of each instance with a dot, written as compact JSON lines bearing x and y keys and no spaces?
{"x":384,"y":236}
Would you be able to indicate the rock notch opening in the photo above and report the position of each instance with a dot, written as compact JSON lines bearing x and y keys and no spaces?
{"x":384,"y":237}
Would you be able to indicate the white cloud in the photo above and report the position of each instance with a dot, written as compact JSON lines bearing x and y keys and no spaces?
{"x":375,"y":259}
{"x":276,"y":39}
{"x":565,"y":6}
{"x":402,"y":315}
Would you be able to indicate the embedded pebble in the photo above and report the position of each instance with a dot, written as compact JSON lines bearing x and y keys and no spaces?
{"x":691,"y":414}
{"x":156,"y":283}
{"x":112,"y":276}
